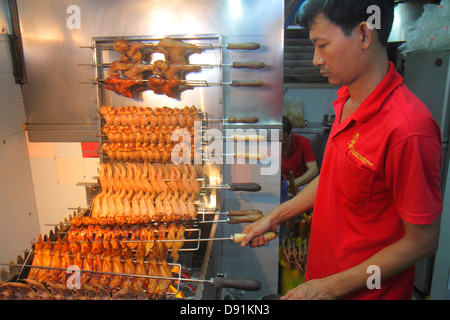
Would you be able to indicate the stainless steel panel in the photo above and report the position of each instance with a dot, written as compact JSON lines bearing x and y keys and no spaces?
{"x":427,"y":75}
{"x":54,"y":95}
{"x":5,"y":19}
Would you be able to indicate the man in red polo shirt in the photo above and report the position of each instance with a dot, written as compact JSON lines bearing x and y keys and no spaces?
{"x":297,"y":156}
{"x":377,"y":201}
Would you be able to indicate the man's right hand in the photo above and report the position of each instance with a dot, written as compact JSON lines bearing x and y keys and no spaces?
{"x":255,"y":232}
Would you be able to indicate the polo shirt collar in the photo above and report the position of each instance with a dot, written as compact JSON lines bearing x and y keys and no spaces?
{"x":371,"y":105}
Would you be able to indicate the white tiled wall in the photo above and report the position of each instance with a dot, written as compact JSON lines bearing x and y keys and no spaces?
{"x":58,"y":169}
{"x":19,"y":222}
{"x":38,"y":181}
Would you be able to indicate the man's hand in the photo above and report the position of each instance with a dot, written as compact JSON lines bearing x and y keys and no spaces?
{"x":321,"y":289}
{"x":255,"y":232}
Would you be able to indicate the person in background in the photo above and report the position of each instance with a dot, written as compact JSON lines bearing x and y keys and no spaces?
{"x":377,"y":203}
{"x":297,"y":156}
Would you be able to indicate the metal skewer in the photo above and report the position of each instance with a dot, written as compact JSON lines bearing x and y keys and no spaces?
{"x":198,"y":83}
{"x":230,"y":46}
{"x":235,"y":65}
{"x":219,"y":282}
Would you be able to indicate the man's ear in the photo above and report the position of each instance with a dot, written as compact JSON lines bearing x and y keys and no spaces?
{"x":366,"y":34}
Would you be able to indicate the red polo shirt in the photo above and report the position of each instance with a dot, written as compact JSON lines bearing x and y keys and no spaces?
{"x":381,"y":165}
{"x":300,"y":154}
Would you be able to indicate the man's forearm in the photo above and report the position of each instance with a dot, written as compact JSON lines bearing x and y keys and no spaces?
{"x":302,"y":202}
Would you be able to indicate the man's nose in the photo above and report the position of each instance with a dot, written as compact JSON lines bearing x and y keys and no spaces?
{"x":317,"y":59}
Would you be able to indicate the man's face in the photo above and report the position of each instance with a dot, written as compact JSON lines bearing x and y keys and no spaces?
{"x":336,"y":55}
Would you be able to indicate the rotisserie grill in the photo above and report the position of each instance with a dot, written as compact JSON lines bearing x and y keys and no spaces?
{"x":175,"y":110}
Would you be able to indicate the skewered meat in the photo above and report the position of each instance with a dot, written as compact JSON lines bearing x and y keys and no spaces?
{"x":16,"y":291}
{"x":129,"y":69}
{"x":167,"y":77}
{"x":129,"y":87}
{"x":106,"y":265}
{"x":168,"y":70}
{"x":87,"y":261}
{"x":128,"y":266}
{"x":141,"y":269}
{"x":164,"y":271}
{"x":46,"y":259}
{"x":149,"y":152}
{"x":55,"y":261}
{"x":139,"y":136}
{"x":177,"y":51}
{"x":132,"y":51}
{"x":152,"y":143}
{"x":108,"y":113}
{"x":153,"y":270}
{"x":117,"y":265}
{"x":124,"y":87}
{"x":37,"y":259}
{"x":60,"y":291}
{"x":40,"y":289}
{"x":181,"y":229}
{"x":169,"y":87}
{"x":108,"y":255}
{"x":120,"y":65}
{"x":144,"y":192}
{"x":143,"y":116}
{"x":145,"y":177}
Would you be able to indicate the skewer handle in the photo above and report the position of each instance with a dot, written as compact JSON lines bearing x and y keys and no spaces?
{"x":250,"y":155}
{"x":243,"y":284}
{"x":242,"y":219}
{"x":247,"y":83}
{"x":239,"y":237}
{"x":242,"y":120}
{"x":244,"y":212}
{"x":248,"y":64}
{"x":246,"y":186}
{"x":243,"y":46}
{"x":251,"y":138}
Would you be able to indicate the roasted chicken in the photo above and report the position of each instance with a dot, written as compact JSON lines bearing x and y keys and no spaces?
{"x":108,"y":251}
{"x":163,"y":77}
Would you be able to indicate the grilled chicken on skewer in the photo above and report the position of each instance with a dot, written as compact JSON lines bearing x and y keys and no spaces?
{"x":164,"y":271}
{"x":55,"y":262}
{"x":107,"y":265}
{"x":141,"y":269}
{"x":117,"y":265}
{"x":153,"y":270}
{"x":37,"y":259}
{"x":178,"y":244}
{"x":46,"y":259}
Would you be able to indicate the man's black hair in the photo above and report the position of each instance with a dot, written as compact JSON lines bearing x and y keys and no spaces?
{"x":287,"y":125}
{"x":347,"y":14}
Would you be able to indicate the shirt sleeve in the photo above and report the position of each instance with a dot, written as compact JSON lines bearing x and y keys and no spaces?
{"x":413,"y":169}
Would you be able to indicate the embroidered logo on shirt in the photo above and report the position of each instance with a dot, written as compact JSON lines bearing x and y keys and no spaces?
{"x":351,"y":147}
